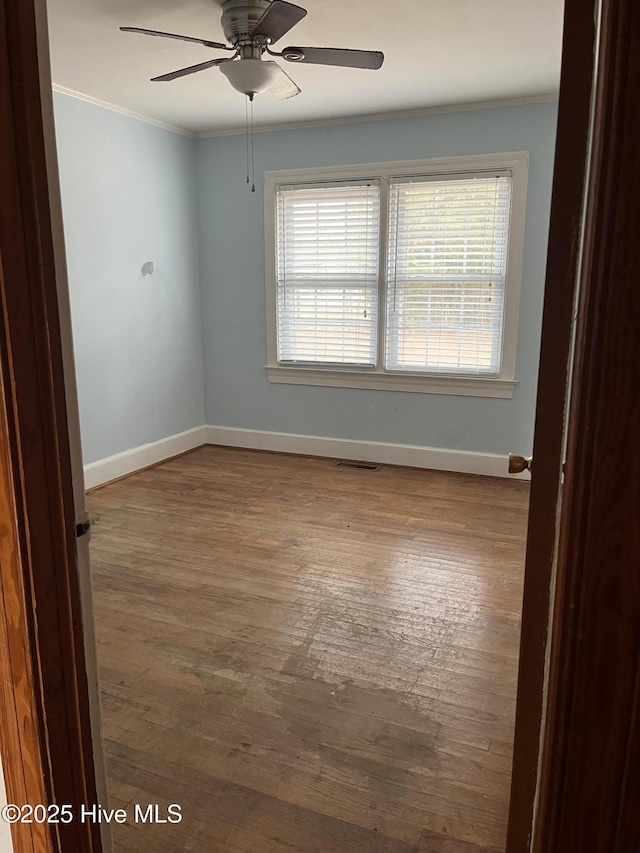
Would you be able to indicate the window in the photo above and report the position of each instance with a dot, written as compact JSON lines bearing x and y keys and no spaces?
{"x":399,"y":275}
{"x":328,"y":258}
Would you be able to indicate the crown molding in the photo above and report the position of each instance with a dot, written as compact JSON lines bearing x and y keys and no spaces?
{"x":550,"y":97}
{"x":115,"y":108}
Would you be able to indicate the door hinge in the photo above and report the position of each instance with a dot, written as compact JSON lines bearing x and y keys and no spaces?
{"x":83,"y":525}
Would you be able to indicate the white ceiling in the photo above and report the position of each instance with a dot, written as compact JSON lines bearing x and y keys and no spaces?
{"x":437,"y":53}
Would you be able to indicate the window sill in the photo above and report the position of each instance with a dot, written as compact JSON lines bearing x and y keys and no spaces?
{"x":466,"y":386}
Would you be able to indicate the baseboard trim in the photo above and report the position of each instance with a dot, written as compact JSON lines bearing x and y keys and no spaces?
{"x":121,"y":464}
{"x":435,"y":458}
{"x":383,"y":453}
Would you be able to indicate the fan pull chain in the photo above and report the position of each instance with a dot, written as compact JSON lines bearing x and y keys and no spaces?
{"x":248,"y":135}
{"x":253,"y":159}
{"x":246,"y":132}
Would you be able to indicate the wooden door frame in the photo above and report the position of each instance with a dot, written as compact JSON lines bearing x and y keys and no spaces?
{"x":590,"y":774}
{"x":571,"y":165}
{"x":44,"y":707}
{"x":45,"y":732}
{"x":577,"y":749}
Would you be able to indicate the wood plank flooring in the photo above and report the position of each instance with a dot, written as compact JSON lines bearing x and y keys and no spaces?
{"x":309,"y":658}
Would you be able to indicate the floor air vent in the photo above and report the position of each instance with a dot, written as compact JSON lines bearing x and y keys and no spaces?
{"x":361,"y":466}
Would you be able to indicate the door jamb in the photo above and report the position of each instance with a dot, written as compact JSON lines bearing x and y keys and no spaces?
{"x":45,"y":736}
{"x":563,"y":259}
{"x":591,"y":753}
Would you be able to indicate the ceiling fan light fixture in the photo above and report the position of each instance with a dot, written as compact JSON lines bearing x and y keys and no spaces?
{"x":250,"y":76}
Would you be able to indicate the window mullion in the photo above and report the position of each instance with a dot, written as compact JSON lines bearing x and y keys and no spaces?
{"x":382,"y":274}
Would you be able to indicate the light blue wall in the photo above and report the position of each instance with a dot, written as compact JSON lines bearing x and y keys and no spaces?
{"x":132,"y":192}
{"x":231,"y":241}
{"x":128,"y":196}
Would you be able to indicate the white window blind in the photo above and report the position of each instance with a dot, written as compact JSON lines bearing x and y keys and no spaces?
{"x":327,"y":273}
{"x":447,"y":266}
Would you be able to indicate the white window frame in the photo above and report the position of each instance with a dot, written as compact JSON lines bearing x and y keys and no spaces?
{"x":517,"y":164}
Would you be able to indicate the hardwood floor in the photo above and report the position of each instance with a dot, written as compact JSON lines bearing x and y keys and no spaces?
{"x":309,"y":658}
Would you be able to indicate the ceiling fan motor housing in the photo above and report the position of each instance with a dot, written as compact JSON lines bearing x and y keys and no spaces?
{"x":239,"y":17}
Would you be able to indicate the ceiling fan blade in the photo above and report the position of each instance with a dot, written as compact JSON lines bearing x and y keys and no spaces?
{"x":283,"y":86}
{"x":371,"y":59}
{"x":192,"y":69}
{"x":278,"y":19}
{"x":206,"y":43}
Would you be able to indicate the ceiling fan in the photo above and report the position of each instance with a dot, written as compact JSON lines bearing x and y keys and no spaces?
{"x":251,"y":27}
